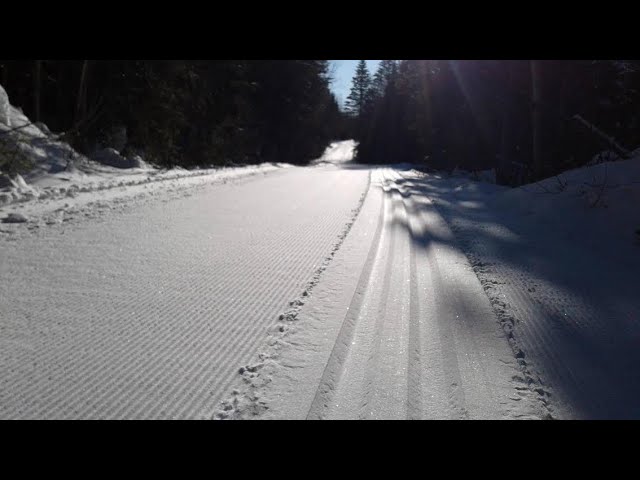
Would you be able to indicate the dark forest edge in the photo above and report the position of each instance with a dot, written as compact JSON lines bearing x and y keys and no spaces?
{"x":527,"y":119}
{"x":182,"y":112}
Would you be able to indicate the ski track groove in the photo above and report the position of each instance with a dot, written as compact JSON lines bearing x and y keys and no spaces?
{"x":374,"y":357}
{"x":403,"y":269}
{"x":448,"y":350}
{"x":414,"y":367}
{"x":333,"y":369}
{"x":444,"y":329}
{"x":392,"y":245}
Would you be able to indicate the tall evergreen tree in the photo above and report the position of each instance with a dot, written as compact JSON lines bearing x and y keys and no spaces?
{"x":383,"y":74}
{"x":360,"y":90}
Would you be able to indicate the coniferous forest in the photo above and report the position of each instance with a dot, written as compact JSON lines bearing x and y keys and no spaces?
{"x":182,"y":112}
{"x":527,"y":119}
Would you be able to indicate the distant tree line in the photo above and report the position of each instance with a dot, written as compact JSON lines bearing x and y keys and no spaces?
{"x":183,"y":112}
{"x":527,"y":119}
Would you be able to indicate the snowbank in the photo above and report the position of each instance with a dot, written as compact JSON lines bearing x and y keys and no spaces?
{"x":487,"y":176}
{"x":560,"y":261}
{"x":54,"y":170}
{"x":4,"y":108}
{"x":112,"y":158}
{"x":597,"y":204}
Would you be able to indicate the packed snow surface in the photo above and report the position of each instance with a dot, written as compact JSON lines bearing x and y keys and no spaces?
{"x":338,"y":152}
{"x":398,"y":327}
{"x":148,"y":312}
{"x":441,"y":260}
{"x":560,"y":261}
{"x":331,"y":291}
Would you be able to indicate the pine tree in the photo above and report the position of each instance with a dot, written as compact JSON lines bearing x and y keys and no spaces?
{"x":360,"y":90}
{"x":385,"y":71}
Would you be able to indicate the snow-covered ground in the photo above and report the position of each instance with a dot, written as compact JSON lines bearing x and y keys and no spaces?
{"x":138,"y":293}
{"x":148,"y":312}
{"x":398,"y":327}
{"x":62,"y":185}
{"x":560,"y":261}
{"x":337,"y":153}
{"x":452,"y":298}
{"x":74,"y":203}
{"x":331,"y":291}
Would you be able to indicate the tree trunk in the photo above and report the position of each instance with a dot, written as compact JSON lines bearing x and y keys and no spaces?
{"x":5,"y":75}
{"x":36,"y":89}
{"x":536,"y":115}
{"x":502,"y":176}
{"x":82,"y":89}
{"x":64,"y":114}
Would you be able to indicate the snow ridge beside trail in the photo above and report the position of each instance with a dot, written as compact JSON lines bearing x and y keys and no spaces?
{"x":79,"y":204}
{"x":562,"y":277}
{"x":105,"y":178}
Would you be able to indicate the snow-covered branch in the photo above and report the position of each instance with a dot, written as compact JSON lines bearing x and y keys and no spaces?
{"x":609,"y":139}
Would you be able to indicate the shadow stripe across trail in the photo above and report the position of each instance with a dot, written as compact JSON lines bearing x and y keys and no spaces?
{"x":406,"y":332}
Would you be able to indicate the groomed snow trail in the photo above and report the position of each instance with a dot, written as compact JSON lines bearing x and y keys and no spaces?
{"x":338,"y":153}
{"x":399,"y":328}
{"x":148,"y":312}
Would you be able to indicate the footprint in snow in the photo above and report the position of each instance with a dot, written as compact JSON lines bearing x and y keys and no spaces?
{"x":14,"y":218}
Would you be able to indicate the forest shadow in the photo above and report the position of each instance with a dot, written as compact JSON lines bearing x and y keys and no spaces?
{"x":350,"y":165}
{"x":587,"y":318}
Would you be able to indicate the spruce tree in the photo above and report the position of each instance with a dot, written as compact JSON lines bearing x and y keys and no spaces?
{"x":360,"y":90}
{"x":385,"y":70}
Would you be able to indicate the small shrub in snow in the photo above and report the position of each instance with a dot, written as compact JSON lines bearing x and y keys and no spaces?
{"x":605,"y":156}
{"x":136,"y":161}
{"x":12,"y":159}
{"x":5,"y":181}
{"x":112,"y":158}
{"x":487,"y":176}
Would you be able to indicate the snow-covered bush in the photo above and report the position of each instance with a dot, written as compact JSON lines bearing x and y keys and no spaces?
{"x":13,"y":160}
{"x":604,"y":156}
{"x":112,"y":157}
{"x":44,"y":129}
{"x":4,"y":108}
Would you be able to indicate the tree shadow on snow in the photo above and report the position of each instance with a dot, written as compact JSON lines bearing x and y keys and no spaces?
{"x":578,"y":317}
